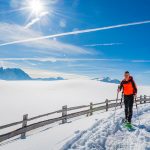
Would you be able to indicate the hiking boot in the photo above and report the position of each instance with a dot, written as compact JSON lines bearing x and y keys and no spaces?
{"x":129,"y":121}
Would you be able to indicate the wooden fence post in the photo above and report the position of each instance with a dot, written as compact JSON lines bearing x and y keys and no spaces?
{"x":91,"y":109}
{"x":140,"y":99}
{"x":106,"y":104}
{"x":24,"y":124}
{"x":64,"y":113}
{"x":144,"y":98}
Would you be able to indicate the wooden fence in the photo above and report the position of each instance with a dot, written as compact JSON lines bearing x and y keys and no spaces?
{"x":65,"y":116}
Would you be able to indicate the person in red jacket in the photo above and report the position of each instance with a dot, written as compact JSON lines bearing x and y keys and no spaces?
{"x":129,"y":90}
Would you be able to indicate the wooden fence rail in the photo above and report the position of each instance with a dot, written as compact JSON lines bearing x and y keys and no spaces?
{"x":65,"y":115}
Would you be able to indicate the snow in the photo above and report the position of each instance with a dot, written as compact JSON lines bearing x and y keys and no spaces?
{"x":20,"y":97}
{"x":105,"y":134}
{"x":38,"y":97}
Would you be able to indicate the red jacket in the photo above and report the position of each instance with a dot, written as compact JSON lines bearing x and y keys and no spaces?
{"x":129,"y":87}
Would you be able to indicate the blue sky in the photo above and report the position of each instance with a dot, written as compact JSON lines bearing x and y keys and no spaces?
{"x":107,"y":52}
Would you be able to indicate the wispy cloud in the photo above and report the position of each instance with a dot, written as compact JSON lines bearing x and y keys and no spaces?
{"x":147,"y":72}
{"x":62,"y":23}
{"x":37,"y":19}
{"x":103,"y":44}
{"x":141,"y":61}
{"x":36,"y":73}
{"x":74,"y":32}
{"x":57,"y":59}
{"x":7,"y":64}
{"x":14,"y":32}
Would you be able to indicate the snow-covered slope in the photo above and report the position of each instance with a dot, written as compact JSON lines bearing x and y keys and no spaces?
{"x":109,"y":135}
{"x":37,"y":97}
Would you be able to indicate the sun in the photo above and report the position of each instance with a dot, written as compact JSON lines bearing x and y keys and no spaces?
{"x":36,"y":7}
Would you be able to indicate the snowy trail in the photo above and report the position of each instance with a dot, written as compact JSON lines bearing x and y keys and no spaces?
{"x":105,"y":135}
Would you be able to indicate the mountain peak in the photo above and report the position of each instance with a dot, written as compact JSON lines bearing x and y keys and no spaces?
{"x":13,"y":74}
{"x":19,"y":74}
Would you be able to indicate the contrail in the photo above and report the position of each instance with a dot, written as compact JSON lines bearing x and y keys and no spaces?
{"x":75,"y":32}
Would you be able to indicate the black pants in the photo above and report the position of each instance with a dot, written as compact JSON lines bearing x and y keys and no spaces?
{"x":128,"y":102}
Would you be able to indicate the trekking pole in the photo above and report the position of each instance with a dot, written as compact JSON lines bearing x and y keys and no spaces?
{"x":137,"y":109}
{"x":116,"y":104}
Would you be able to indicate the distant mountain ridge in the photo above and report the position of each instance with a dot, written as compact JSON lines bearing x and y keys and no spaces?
{"x":49,"y":79}
{"x":108,"y":80}
{"x":19,"y":74}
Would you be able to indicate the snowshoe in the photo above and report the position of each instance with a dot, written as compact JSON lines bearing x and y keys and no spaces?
{"x":129,"y":126}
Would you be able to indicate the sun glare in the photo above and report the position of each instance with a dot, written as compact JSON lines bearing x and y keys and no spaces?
{"x":36,"y":6}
